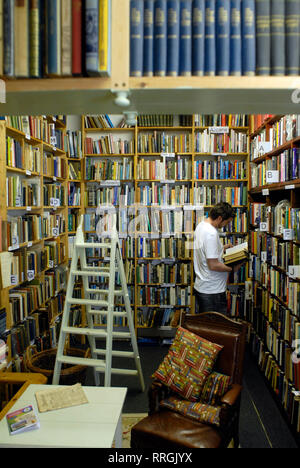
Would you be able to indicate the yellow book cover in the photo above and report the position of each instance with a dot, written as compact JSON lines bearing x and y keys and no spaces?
{"x":21,"y":38}
{"x":104,"y":37}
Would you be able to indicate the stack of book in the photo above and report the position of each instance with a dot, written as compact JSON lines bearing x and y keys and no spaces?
{"x":55,"y":38}
{"x":214,"y":37}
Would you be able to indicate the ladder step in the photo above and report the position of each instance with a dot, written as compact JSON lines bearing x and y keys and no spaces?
{"x":93,"y":245}
{"x":115,"y":313}
{"x":103,"y":291}
{"x":90,"y":273}
{"x":125,"y":354}
{"x":81,"y":361}
{"x":118,"y":371}
{"x":96,"y":268}
{"x":85,"y":331}
{"x":94,"y":332}
{"x":94,"y":302}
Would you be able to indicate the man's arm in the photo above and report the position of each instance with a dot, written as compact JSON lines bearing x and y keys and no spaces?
{"x":215,"y":265}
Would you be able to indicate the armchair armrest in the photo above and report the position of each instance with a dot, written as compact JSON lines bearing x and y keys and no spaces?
{"x":157,"y":392}
{"x":232,"y":396}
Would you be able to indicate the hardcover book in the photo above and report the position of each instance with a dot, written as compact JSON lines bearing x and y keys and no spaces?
{"x":236,"y":254}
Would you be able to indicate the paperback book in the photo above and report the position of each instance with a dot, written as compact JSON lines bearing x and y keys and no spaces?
{"x":22,"y":420}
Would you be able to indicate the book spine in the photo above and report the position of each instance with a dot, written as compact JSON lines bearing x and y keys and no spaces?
{"x":160,"y":38}
{"x":223,"y":37}
{"x":66,"y":38}
{"x":43,"y":48}
{"x":105,"y":37}
{"x":248,"y":38}
{"x":173,"y":18}
{"x":292,"y":28}
{"x":263,"y":37}
{"x":277,"y":26}
{"x":34,"y":38}
{"x":148,"y":37}
{"x":185,"y":42}
{"x":21,"y":31}
{"x":136,"y":37}
{"x":92,"y":37}
{"x":8,"y":24}
{"x":210,"y":38}
{"x":76,"y":37}
{"x":198,"y":26}
{"x":235,"y":38}
{"x":53,"y":38}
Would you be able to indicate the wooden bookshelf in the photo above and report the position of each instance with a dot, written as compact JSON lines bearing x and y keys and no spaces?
{"x":273,"y":306}
{"x":138,"y":183}
{"x":47,"y":181}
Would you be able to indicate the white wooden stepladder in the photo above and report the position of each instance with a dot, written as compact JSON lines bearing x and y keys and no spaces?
{"x":95,"y":306}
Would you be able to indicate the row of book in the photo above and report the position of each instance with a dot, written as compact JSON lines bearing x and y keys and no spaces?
{"x":220,"y":169}
{"x":22,"y":192}
{"x":214,"y":37}
{"x":230,"y":142}
{"x":209,"y":195}
{"x":163,"y":274}
{"x":277,"y":252}
{"x":158,"y":317}
{"x":285,"y":166}
{"x":56,"y":38}
{"x":284,"y":389}
{"x":74,"y":195}
{"x":54,"y":166}
{"x":179,"y":168}
{"x":170,"y":296}
{"x":162,"y":142}
{"x":108,"y":145}
{"x":122,"y":195}
{"x":276,"y":219}
{"x":102,"y":121}
{"x":109,"y":170}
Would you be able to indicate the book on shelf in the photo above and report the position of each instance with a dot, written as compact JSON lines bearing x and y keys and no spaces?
{"x":236,"y":254}
{"x":22,"y":420}
{"x":98,"y":37}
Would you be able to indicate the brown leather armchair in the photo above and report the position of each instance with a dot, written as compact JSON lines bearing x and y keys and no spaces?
{"x":166,"y":430}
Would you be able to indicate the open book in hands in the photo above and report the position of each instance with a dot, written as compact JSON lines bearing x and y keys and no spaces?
{"x":236,"y":254}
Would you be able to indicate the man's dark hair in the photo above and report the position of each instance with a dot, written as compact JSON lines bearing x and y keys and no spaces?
{"x":222,"y":209}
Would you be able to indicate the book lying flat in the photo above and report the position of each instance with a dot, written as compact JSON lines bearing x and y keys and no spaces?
{"x":22,"y":420}
{"x":61,"y":397}
{"x":236,"y":254}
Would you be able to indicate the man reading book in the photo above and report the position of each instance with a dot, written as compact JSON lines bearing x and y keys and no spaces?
{"x":211,"y":274}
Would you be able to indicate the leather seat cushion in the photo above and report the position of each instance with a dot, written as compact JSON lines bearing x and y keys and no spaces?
{"x":169,"y":430}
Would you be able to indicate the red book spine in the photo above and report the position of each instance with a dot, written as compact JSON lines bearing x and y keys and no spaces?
{"x":76,"y":37}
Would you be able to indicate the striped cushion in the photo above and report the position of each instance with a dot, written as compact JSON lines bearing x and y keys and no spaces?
{"x":200,"y":411}
{"x":216,"y":385}
{"x":188,"y":364}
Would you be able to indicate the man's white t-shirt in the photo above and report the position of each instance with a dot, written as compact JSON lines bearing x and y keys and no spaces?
{"x":207,"y":244}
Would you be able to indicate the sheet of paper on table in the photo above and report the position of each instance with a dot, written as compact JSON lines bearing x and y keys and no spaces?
{"x":62,"y":397}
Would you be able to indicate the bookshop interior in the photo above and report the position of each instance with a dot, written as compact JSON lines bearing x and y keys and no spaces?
{"x":150,"y":224}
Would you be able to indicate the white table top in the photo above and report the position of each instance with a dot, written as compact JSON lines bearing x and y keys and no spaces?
{"x":92,"y":425}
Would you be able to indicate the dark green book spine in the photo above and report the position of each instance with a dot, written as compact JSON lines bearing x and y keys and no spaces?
{"x":263,"y":37}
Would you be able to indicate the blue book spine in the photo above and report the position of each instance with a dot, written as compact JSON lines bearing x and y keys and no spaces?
{"x":198,"y":26}
{"x":160,"y":38}
{"x":292,"y":28}
{"x":210,"y":38}
{"x":42,"y":55}
{"x":263,"y":37}
{"x":53,"y":31}
{"x":223,"y":37}
{"x":92,"y":37}
{"x":148,"y":37}
{"x":173,"y":23}
{"x":235,"y":38}
{"x":248,"y":38}
{"x":136,"y":37}
{"x":277,"y":37}
{"x":185,"y":41}
{"x":8,"y":33}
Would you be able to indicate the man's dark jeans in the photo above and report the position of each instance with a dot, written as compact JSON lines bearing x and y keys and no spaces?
{"x":210,"y":303}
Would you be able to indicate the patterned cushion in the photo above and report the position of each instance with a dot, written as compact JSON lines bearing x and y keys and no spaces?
{"x":216,"y":385}
{"x":188,"y":363}
{"x":200,"y":411}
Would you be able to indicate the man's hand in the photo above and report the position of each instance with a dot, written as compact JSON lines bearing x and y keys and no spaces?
{"x":227,"y":246}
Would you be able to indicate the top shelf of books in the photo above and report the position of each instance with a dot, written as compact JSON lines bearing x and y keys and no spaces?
{"x":68,"y":71}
